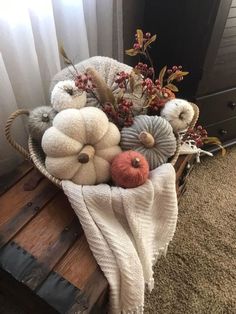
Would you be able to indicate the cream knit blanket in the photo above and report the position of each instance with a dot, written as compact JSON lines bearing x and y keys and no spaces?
{"x":127,"y":229}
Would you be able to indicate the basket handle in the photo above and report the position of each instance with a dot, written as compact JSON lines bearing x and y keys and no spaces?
{"x":8,"y":136}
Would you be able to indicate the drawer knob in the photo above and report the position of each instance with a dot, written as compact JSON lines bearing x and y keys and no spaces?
{"x":223,"y":132}
{"x":232,"y":105}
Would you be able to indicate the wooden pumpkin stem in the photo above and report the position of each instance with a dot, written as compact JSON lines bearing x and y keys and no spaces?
{"x":135,"y":162}
{"x":45,"y":117}
{"x":146,"y":139}
{"x":86,"y":154}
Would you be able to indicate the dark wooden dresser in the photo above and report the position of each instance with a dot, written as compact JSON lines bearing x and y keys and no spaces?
{"x":46,"y":265}
{"x":201,"y":36}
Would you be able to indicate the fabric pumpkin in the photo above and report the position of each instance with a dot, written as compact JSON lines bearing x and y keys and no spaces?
{"x":179,"y":113}
{"x":129,"y":169}
{"x":40,"y":119}
{"x":152,"y":136}
{"x":81,"y":145}
{"x":66,"y":95}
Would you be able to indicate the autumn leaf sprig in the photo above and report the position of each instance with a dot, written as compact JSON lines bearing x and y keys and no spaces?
{"x":166,"y":76}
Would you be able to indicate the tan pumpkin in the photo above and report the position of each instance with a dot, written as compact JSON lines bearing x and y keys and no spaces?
{"x":81,"y":145}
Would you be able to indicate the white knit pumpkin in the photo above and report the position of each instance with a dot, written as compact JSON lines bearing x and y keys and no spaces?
{"x":66,"y":95}
{"x":80,"y":146}
{"x":152,"y":136}
{"x":179,"y":113}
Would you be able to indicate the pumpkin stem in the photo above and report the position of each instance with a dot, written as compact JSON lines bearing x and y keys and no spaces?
{"x":135,"y":162}
{"x":45,"y":117}
{"x":86,"y":154}
{"x":146,"y":139}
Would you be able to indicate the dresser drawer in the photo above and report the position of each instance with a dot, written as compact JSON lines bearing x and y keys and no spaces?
{"x":225,"y":130}
{"x":217,"y":107}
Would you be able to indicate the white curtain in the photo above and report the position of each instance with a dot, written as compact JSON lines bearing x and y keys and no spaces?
{"x":30,"y":32}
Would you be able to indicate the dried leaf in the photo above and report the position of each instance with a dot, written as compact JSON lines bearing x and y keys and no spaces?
{"x":149,"y":100}
{"x":172,"y":87}
{"x":176,"y":74}
{"x":119,"y":96}
{"x":131,"y":52}
{"x":182,"y":73}
{"x":132,"y":80}
{"x":64,"y":55}
{"x":161,"y":74}
{"x":136,"y":71}
{"x":172,"y":77}
{"x":215,"y":141}
{"x":151,"y":40}
{"x":139,"y":33}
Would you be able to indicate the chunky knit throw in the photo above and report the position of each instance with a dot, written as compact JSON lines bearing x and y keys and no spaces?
{"x":127,"y":229}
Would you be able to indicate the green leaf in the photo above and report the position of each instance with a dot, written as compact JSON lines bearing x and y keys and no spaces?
{"x":139,"y":33}
{"x":131,"y":52}
{"x":172,"y":87}
{"x":151,"y":40}
{"x":161,"y":74}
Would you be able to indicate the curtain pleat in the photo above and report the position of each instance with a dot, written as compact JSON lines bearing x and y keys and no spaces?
{"x":30,"y":33}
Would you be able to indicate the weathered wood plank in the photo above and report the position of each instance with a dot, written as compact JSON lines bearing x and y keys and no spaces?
{"x":16,"y":197}
{"x":26,"y":213}
{"x":55,"y":251}
{"x":78,"y":264}
{"x":46,"y":227}
{"x":9,"y":179}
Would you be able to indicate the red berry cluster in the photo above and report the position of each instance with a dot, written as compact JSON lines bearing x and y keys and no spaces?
{"x":84,"y":82}
{"x":198,"y":135}
{"x":136,"y":45}
{"x":175,"y":69}
{"x":144,"y":69}
{"x":121,"y":114}
{"x":122,"y":79}
{"x":158,"y":95}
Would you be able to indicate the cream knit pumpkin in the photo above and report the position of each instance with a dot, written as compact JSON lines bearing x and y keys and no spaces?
{"x":151,"y":136}
{"x":81,"y":145}
{"x":179,"y":113}
{"x":66,"y":95}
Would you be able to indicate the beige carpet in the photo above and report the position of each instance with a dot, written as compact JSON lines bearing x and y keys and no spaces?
{"x":198,"y":274}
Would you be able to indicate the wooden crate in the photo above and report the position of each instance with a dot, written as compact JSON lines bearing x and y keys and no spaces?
{"x":45,"y":261}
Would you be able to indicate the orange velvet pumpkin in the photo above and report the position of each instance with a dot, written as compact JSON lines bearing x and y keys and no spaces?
{"x":129,"y":169}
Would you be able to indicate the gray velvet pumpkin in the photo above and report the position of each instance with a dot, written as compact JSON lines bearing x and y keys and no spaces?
{"x":152,"y":136}
{"x":40,"y":119}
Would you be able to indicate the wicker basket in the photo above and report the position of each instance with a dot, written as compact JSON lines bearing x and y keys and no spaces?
{"x":36,"y":154}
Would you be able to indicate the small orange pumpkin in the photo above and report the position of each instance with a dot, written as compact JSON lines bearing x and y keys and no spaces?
{"x":129,"y":169}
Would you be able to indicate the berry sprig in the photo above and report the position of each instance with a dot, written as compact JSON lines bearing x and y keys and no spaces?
{"x":84,"y":82}
{"x":141,"y":45}
{"x":198,"y":135}
{"x":143,"y":69}
{"x":122,"y":79}
{"x":121,"y":114}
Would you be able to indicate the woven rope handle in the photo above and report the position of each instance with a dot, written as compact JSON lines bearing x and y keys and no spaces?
{"x":8,"y":125}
